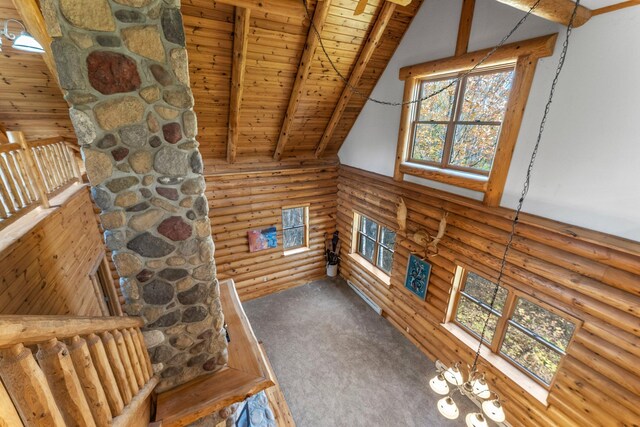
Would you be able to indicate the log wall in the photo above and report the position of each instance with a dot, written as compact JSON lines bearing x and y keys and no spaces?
{"x":591,"y":276}
{"x":46,"y":271}
{"x":240,"y":201}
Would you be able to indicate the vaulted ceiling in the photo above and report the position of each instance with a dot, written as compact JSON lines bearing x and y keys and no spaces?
{"x":275,"y":45}
{"x":249,"y":106}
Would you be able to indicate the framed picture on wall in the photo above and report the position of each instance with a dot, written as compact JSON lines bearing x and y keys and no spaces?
{"x":417,"y":279}
{"x":260,"y":240}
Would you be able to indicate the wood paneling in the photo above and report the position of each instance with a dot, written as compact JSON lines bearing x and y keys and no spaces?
{"x":243,"y":201}
{"x":30,"y":99}
{"x":592,"y":276}
{"x":275,"y":48}
{"x":46,"y":271}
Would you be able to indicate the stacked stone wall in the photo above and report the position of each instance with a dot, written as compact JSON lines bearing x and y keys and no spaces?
{"x":124,"y":70}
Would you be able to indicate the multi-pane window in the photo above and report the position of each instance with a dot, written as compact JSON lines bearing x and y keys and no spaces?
{"x":459,"y":127}
{"x":525,"y":333}
{"x":295,"y":227}
{"x":375,"y":243}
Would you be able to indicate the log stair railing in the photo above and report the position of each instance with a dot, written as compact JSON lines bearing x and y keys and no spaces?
{"x":74,"y":371}
{"x":247,"y":372}
{"x":31,"y":173}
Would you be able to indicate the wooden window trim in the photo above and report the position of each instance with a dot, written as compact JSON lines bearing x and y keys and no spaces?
{"x":355,"y":246}
{"x":504,"y":320}
{"x":525,"y":55}
{"x":305,"y":244}
{"x":105,"y":290}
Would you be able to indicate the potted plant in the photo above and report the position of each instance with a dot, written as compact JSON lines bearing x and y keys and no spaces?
{"x":332,"y":254}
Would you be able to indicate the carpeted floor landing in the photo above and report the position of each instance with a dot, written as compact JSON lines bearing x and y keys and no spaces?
{"x":340,"y":364}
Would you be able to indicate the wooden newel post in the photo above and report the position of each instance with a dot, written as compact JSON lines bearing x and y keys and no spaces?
{"x":55,"y":361}
{"x":32,"y":170}
{"x":28,"y":387}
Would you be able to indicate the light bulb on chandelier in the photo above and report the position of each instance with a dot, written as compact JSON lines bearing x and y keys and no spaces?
{"x":439,"y":385}
{"x":448,"y":408}
{"x":494,"y":410}
{"x":475,"y":420}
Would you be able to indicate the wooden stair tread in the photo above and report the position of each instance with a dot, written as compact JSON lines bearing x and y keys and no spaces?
{"x":247,"y":372}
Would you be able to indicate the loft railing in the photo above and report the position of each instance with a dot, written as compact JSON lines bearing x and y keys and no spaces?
{"x":61,"y":371}
{"x":31,"y":173}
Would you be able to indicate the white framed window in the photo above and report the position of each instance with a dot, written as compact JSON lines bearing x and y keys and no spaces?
{"x":374,"y":242}
{"x":527,"y":333}
{"x":459,"y":128}
{"x":295,"y":227}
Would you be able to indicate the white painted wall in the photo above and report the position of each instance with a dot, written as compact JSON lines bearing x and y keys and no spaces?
{"x":588,"y":169}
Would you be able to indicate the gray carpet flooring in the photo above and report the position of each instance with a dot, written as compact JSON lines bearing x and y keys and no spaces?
{"x":340,"y":364}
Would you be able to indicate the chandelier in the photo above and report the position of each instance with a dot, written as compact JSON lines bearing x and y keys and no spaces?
{"x":472,"y":383}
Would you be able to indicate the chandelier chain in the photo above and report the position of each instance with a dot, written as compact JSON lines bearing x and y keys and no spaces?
{"x":527,"y":181}
{"x":431,"y":95}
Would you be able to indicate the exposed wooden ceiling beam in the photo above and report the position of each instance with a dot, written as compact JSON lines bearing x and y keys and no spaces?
{"x":319,"y":16}
{"x":559,"y":11}
{"x":615,"y":7}
{"x":361,"y":64}
{"x":291,"y":8}
{"x":464,"y":28}
{"x":30,"y":14}
{"x":240,"y":41}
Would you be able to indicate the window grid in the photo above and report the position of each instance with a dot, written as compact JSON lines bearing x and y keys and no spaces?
{"x":304,"y":227}
{"x":454,"y":120}
{"x":505,"y":320}
{"x":377,"y":243}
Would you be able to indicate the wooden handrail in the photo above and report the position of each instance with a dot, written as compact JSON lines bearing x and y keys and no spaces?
{"x":31,"y":173}
{"x":35,"y":329}
{"x":247,"y":372}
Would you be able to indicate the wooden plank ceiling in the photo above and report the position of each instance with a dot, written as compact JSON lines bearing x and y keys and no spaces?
{"x":274,"y":50}
{"x":271,"y":51}
{"x":30,"y":99}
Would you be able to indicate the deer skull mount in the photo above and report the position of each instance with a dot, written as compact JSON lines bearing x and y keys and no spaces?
{"x":422,"y":236}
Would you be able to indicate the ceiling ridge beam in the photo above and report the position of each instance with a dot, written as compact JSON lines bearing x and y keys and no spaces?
{"x":354,"y":79}
{"x":559,"y":11}
{"x":319,"y":17}
{"x":240,"y":42}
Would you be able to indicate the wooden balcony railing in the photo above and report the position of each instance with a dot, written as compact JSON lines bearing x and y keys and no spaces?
{"x":31,"y":173}
{"x":87,"y":371}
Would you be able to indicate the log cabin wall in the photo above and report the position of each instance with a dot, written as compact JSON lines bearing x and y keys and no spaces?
{"x":240,"y":201}
{"x":592,"y":276}
{"x":46,"y":271}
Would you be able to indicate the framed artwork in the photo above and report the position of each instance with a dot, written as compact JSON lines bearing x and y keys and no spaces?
{"x":418,"y":272}
{"x":260,"y":240}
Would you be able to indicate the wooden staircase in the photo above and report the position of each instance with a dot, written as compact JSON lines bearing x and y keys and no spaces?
{"x":95,"y":371}
{"x":86,"y":371}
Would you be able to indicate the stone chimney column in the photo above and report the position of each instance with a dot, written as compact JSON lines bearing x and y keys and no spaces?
{"x":123,"y":68}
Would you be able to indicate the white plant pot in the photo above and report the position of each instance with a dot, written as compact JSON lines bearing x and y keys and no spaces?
{"x":332,"y":270}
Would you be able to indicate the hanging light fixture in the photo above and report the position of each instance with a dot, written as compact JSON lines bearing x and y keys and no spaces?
{"x":474,"y":385}
{"x":22,"y":41}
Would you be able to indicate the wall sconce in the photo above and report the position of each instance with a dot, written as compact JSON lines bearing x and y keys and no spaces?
{"x":23,"y":41}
